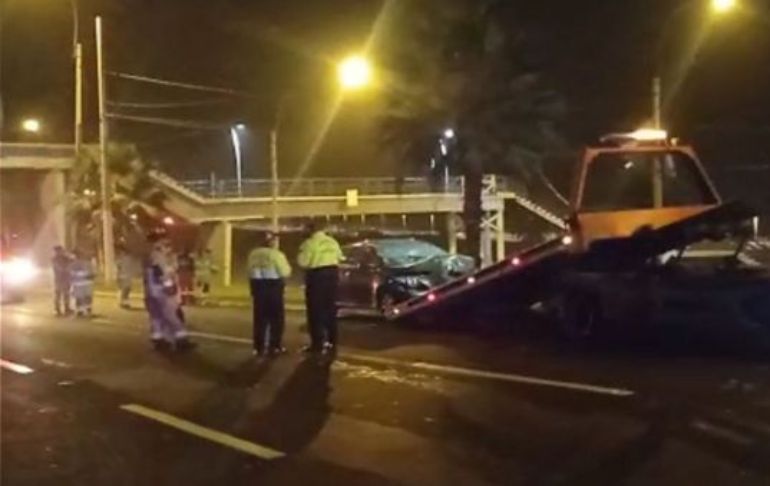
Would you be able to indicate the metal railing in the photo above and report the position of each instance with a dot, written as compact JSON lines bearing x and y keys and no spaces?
{"x":228,"y":188}
{"x":46,"y":150}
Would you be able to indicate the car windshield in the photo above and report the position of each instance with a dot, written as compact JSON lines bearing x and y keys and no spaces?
{"x":620,"y":181}
{"x":400,"y":253}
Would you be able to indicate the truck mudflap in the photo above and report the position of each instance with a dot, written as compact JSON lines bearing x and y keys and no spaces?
{"x":536,"y":274}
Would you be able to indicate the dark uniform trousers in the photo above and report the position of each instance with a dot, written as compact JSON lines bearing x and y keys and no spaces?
{"x":268,"y":312}
{"x":321,"y":304}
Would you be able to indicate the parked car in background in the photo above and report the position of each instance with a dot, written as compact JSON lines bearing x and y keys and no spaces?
{"x":379,"y":273}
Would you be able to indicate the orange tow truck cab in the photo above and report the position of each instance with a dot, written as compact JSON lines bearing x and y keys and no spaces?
{"x":636,"y":182}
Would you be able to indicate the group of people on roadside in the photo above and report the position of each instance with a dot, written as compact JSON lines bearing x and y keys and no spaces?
{"x":319,"y":256}
{"x":169,"y":280}
{"x":73,"y":280}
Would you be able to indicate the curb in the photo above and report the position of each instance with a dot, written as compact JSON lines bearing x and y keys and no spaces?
{"x":210,"y":302}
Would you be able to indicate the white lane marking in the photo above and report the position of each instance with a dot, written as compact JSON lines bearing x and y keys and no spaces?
{"x":15,"y":367}
{"x":56,"y":364}
{"x":457,"y":371}
{"x":496,"y":376}
{"x":452,"y":370}
{"x":205,"y":433}
{"x":722,"y":433}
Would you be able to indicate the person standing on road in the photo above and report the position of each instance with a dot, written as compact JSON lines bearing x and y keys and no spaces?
{"x":62,"y":280}
{"x":82,"y":272}
{"x":186,"y":275}
{"x":268,"y":269}
{"x":204,"y":271}
{"x":320,"y":255}
{"x":125,"y":276}
{"x":168,"y":328}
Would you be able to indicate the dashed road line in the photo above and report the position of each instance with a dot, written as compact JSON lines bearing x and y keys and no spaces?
{"x":722,"y":433}
{"x":206,"y":433}
{"x":15,"y":367}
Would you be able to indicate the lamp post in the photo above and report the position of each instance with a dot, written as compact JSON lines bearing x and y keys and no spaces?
{"x":235,"y":138}
{"x":77,"y":58}
{"x":717,"y":7}
{"x":353,"y":73}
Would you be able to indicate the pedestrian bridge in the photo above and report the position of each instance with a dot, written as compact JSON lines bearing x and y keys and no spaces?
{"x":218,"y":204}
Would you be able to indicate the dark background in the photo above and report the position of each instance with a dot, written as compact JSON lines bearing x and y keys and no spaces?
{"x":598,"y":53}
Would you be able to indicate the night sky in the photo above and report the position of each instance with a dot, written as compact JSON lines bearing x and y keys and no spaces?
{"x":598,"y":53}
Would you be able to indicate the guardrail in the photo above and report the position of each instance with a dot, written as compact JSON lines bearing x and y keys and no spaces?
{"x":47,"y":150}
{"x":228,"y":188}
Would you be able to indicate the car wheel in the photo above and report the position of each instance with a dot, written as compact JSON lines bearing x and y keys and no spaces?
{"x":386,"y":303}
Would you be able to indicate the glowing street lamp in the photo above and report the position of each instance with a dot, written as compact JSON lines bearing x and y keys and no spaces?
{"x":354,"y":72}
{"x":31,"y":125}
{"x":723,"y":6}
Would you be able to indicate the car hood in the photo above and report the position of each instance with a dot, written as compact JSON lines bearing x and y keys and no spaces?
{"x":437,"y":269}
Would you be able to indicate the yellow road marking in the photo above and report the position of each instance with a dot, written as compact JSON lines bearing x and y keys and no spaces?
{"x":205,"y":433}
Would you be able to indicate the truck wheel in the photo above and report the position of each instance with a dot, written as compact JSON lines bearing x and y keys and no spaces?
{"x":583,"y":316}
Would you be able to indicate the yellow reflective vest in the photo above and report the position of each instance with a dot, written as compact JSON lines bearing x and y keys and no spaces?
{"x":320,"y":250}
{"x":268,"y":264}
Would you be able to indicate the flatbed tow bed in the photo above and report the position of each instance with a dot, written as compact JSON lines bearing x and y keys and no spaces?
{"x":599,"y":248}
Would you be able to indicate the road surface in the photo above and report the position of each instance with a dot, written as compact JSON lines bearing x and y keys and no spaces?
{"x":88,"y":402}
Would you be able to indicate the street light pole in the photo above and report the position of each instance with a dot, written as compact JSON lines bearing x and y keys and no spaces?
{"x":77,"y":55}
{"x":274,"y":193}
{"x":238,"y":159}
{"x":108,"y":250}
{"x":718,"y":8}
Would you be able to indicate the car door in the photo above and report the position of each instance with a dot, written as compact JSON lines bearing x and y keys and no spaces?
{"x":357,"y":274}
{"x":347,"y":269}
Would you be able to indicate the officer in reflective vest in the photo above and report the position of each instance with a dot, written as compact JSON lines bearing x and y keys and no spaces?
{"x":268,"y":268}
{"x":320,"y":255}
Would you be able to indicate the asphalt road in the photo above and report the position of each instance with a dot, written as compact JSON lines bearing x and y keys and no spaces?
{"x":87,"y":402}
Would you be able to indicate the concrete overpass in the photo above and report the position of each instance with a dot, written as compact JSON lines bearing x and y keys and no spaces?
{"x":40,"y":202}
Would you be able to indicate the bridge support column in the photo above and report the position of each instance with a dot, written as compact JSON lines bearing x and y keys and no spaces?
{"x":53,"y":203}
{"x":451,"y":230}
{"x":493,"y":227}
{"x":220,"y":241}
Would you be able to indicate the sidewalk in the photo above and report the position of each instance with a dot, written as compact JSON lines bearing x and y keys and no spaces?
{"x":234,"y":296}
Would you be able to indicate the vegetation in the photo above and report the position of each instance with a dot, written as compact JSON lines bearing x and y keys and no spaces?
{"x":460,"y":64}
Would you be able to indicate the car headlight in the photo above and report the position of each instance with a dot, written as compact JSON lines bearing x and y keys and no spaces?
{"x":18,"y":271}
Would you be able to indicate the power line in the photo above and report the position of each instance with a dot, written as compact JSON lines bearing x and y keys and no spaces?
{"x":195,"y":125}
{"x":178,"y":104}
{"x":179,"y":84}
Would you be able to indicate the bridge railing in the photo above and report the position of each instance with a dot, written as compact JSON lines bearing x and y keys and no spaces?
{"x":53,"y":150}
{"x":337,"y":186}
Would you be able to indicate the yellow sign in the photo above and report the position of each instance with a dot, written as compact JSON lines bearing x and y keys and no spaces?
{"x":351,"y":198}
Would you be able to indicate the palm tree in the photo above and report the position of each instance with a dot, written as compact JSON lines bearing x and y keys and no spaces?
{"x":132,"y":193}
{"x":453,"y":64}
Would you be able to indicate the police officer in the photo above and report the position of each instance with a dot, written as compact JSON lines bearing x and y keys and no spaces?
{"x":125,"y":276}
{"x":268,"y":268}
{"x":320,"y":255}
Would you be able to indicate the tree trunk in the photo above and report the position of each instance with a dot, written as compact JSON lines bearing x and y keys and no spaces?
{"x":472,"y":210}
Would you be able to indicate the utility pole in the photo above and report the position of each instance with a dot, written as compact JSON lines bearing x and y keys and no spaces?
{"x":656,"y":103}
{"x":274,"y":181}
{"x":77,"y":58}
{"x":108,"y":249}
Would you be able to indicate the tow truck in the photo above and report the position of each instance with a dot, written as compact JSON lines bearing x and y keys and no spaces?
{"x":640,"y":206}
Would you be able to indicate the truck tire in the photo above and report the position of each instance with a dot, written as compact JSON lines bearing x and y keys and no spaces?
{"x":583,"y":316}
